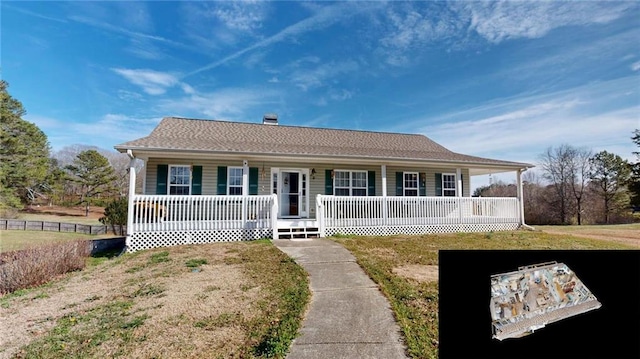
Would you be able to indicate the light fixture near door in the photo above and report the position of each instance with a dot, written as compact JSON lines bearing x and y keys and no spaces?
{"x":313,"y":173}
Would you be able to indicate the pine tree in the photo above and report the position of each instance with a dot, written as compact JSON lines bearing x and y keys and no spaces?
{"x":24,"y":153}
{"x":93,"y":172}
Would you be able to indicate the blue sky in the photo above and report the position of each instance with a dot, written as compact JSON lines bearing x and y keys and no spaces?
{"x":501,"y":80}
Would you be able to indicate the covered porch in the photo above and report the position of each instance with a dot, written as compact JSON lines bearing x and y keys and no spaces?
{"x":156,"y":221}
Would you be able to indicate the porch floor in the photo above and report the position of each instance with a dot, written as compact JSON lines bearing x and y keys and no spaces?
{"x":297,"y":229}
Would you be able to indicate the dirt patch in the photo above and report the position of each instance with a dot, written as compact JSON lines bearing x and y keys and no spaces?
{"x":418,"y":272}
{"x":383,"y":253}
{"x":173,"y":297}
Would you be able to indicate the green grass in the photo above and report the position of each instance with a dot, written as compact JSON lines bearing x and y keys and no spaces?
{"x":12,"y":240}
{"x":415,"y":304}
{"x":592,"y":227}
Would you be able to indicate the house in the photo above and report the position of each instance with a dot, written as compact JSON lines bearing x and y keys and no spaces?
{"x":206,"y":180}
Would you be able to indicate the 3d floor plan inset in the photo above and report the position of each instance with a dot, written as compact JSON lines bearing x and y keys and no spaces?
{"x":535,"y":295}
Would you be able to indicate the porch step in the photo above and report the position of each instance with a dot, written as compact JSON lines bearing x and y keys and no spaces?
{"x":298,"y":233}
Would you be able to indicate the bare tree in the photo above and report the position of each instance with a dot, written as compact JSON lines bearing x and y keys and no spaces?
{"x":579,"y":176}
{"x":557,"y":166}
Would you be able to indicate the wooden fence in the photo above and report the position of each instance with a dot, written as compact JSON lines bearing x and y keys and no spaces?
{"x":17,"y":224}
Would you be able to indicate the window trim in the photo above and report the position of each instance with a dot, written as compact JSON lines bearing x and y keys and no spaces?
{"x":229,"y":186}
{"x":351,"y":187}
{"x":455,"y":185}
{"x":416,"y":188}
{"x":169,"y":184}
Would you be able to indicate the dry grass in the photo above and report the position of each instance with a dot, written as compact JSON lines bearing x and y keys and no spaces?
{"x":414,"y":297}
{"x":38,"y":265}
{"x":204,"y":301}
{"x":622,"y":233}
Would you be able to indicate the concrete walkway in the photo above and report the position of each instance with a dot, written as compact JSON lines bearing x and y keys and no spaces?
{"x":348,"y":316}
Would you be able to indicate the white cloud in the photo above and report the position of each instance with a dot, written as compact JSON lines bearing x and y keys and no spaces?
{"x":504,"y":20}
{"x":230,"y":104}
{"x":152,"y":82}
{"x":274,"y":80}
{"x":306,"y":79}
{"x":521,"y":128}
{"x":112,"y":129}
{"x":323,"y":18}
{"x":635,"y":66}
{"x":241,"y":15}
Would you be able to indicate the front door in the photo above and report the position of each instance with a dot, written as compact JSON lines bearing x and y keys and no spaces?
{"x":292,"y":193}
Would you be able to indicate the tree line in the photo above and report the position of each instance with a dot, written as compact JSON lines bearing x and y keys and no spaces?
{"x":577,"y":186}
{"x":31,"y":173}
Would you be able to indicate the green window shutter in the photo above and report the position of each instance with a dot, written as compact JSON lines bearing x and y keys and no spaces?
{"x":161,"y":179}
{"x":371,"y":182}
{"x":328,"y":182}
{"x":438,"y":184}
{"x":253,"y":181}
{"x":399,"y":183}
{"x":422,"y":186}
{"x":222,"y":180}
{"x":461,"y":185}
{"x":196,"y":180}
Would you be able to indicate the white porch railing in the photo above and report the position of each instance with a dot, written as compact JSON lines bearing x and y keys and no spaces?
{"x":179,"y":213}
{"x":171,"y":220}
{"x":389,"y":215}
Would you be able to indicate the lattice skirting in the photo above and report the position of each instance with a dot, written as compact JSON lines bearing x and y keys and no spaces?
{"x":421,"y":229}
{"x":146,"y":240}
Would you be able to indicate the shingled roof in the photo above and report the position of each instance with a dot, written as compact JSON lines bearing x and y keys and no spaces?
{"x":181,"y":134}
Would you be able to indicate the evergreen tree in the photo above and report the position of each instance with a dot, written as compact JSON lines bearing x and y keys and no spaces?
{"x":93,"y":172}
{"x":24,"y":153}
{"x":610,"y":175}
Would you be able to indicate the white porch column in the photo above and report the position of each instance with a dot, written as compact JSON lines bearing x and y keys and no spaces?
{"x":458,"y":182}
{"x":245,"y":190}
{"x":132,"y":193}
{"x":144,"y":174}
{"x":383,"y":173}
{"x":520,"y":195}
{"x":245,"y":178}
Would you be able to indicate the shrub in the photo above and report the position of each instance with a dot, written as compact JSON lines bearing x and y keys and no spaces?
{"x":38,"y":265}
{"x":115,"y":214}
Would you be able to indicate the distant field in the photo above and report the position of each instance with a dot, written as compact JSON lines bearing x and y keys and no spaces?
{"x":15,"y":240}
{"x":621,"y":233}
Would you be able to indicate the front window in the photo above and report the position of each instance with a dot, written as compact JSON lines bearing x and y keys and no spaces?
{"x":350,"y":183}
{"x":448,"y":184}
{"x":410,"y":184}
{"x":234,"y":181}
{"x":179,"y":180}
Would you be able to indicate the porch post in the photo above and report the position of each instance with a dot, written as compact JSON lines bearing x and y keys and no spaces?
{"x":383,"y":173}
{"x":274,"y":216}
{"x":520,"y":196}
{"x":144,"y":175}
{"x":320,"y":215}
{"x":245,"y":191}
{"x":459,"y":182}
{"x":132,"y":193}
{"x":385,"y":214}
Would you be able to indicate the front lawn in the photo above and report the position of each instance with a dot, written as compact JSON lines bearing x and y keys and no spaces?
{"x":222,"y":300}
{"x":403,"y":267}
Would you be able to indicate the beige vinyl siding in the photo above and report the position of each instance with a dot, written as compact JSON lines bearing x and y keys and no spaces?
{"x":430,"y":180}
{"x":316,"y":186}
